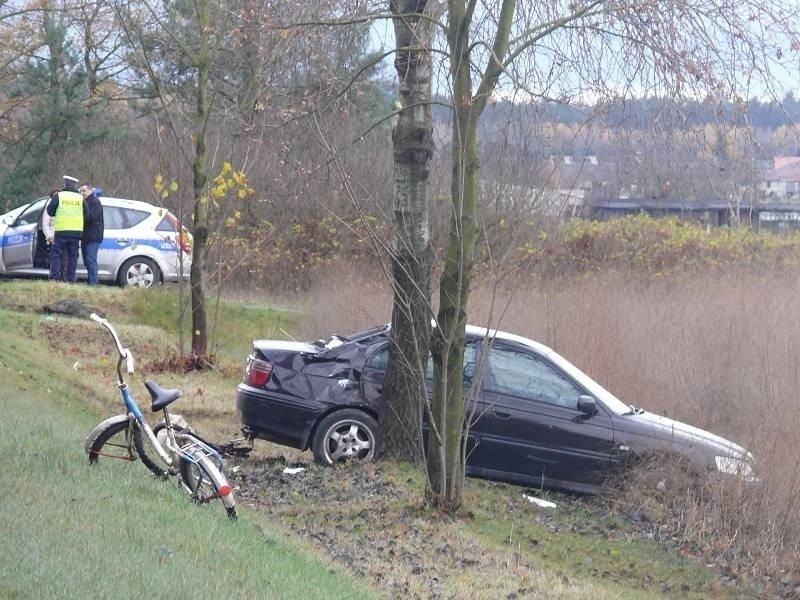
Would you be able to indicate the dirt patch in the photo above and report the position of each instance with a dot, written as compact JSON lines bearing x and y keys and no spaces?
{"x":380,"y":530}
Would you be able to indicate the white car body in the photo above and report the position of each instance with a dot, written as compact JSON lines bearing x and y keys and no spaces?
{"x":141,"y":244}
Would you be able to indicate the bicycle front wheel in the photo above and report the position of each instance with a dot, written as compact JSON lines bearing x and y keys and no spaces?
{"x":123,"y":441}
{"x":205,"y":482}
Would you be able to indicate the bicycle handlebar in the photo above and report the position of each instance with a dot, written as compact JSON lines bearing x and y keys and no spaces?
{"x":124,"y":353}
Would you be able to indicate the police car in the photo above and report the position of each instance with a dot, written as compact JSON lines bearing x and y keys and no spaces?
{"x":143,"y":244}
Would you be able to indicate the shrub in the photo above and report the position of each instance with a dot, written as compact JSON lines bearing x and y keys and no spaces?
{"x":644,"y":243}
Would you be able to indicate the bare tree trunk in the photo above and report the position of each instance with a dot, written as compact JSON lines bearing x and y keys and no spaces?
{"x":54,"y":39}
{"x":201,"y":208}
{"x":445,"y":463}
{"x":89,"y":66}
{"x":446,"y":466}
{"x":445,"y":457}
{"x":401,"y":420}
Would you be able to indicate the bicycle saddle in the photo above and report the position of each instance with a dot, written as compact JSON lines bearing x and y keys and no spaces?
{"x":161,"y":397}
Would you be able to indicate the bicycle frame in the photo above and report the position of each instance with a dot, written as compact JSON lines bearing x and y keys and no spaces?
{"x":177,"y":445}
{"x":132,"y":409}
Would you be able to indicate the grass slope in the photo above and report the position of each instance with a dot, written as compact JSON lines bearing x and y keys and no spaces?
{"x":71,"y":530}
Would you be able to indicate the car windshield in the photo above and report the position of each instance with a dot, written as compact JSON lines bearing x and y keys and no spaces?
{"x":611,"y":402}
{"x":31,"y":214}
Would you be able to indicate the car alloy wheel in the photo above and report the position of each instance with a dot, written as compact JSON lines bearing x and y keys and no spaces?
{"x":346,"y":435}
{"x":139,"y":273}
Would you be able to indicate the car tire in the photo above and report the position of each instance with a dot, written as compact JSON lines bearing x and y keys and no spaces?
{"x":139,"y":272}
{"x":346,"y":435}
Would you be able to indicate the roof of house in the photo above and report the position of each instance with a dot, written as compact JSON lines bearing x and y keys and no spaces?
{"x":784,"y":168}
{"x":650,"y":204}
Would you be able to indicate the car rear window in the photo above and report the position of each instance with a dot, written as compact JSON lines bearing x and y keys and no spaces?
{"x":380,"y":361}
{"x":116,"y":217}
{"x":168,"y":223}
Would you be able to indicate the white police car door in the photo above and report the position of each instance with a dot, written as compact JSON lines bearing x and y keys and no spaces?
{"x":121,"y":237}
{"x":19,"y":239}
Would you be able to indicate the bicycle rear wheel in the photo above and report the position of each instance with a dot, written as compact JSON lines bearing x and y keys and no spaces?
{"x":205,"y":482}
{"x":115,"y":442}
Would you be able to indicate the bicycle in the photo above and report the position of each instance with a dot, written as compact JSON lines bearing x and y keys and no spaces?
{"x":196,"y":463}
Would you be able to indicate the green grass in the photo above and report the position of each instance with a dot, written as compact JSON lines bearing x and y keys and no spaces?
{"x":231,"y":326}
{"x":71,"y":530}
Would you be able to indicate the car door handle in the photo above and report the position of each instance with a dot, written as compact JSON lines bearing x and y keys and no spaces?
{"x":501,"y":415}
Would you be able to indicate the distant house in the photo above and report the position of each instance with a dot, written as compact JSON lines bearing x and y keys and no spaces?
{"x":575,"y":177}
{"x":763,"y":216}
{"x":582,"y":185}
{"x":783,"y":180}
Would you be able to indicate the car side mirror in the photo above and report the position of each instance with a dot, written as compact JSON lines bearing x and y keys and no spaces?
{"x":587,"y":405}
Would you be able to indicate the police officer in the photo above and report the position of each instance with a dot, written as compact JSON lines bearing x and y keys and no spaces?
{"x":66,"y":208}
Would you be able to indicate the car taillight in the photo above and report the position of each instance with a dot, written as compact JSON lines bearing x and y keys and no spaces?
{"x":185,"y":239}
{"x":258,"y":372}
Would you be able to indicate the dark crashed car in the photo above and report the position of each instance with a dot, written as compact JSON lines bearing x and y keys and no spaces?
{"x":537,"y":419}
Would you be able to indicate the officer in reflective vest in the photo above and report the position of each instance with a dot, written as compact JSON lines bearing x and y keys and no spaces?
{"x":67,"y":209}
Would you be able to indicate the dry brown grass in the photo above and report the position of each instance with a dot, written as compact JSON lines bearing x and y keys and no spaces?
{"x":720,"y":351}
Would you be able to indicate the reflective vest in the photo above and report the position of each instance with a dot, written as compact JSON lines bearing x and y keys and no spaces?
{"x":69,"y":214}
